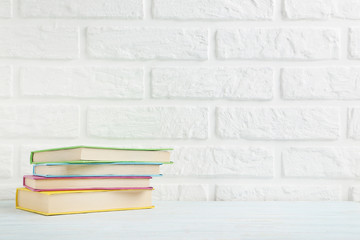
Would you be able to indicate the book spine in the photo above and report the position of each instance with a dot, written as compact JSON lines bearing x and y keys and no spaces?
{"x":80,"y":189}
{"x":77,"y":176}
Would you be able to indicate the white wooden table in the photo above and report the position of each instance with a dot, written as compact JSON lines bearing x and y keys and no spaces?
{"x":192,"y":220}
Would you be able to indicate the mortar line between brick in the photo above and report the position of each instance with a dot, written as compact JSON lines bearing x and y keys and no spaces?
{"x":147,"y":82}
{"x":15,"y":77}
{"x":147,"y":4}
{"x":344,"y":44}
{"x":82,"y":43}
{"x":15,"y":9}
{"x":278,"y":167}
{"x":278,"y":10}
{"x":211,"y":47}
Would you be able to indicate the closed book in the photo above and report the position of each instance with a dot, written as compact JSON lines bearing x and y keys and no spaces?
{"x":81,"y":154}
{"x":96,"y":169}
{"x":85,"y":201}
{"x":37,"y":183}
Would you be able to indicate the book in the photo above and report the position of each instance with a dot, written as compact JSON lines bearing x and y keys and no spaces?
{"x":96,"y":169}
{"x":69,"y":202}
{"x":80,"y":154}
{"x":36,"y":183}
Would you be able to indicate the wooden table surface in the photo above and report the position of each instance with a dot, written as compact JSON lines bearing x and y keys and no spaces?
{"x":192,"y":220}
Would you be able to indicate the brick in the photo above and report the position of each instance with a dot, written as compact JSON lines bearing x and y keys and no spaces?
{"x":321,"y":9}
{"x":308,"y":9}
{"x":221,"y":161}
{"x":5,"y":81}
{"x":213,"y":9}
{"x":277,"y":43}
{"x":148,"y":122}
{"x":320,"y":83}
{"x":147,"y":43}
{"x":354,"y":43}
{"x":57,"y":121}
{"x":6,"y":161}
{"x":327,"y":162}
{"x":355,"y":193}
{"x":88,"y":82}
{"x":41,"y":42}
{"x":278,"y":123}
{"x":82,"y":8}
{"x":5,"y":9}
{"x":347,"y":9}
{"x":278,"y":193}
{"x":212,"y":83}
{"x":183,"y":192}
{"x":354,"y":123}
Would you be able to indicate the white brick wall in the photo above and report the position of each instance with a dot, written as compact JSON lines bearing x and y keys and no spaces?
{"x":213,"y":9}
{"x":147,"y":122}
{"x":277,"y":43}
{"x":177,"y":192}
{"x":215,"y":161}
{"x":277,"y":193}
{"x":354,"y":45}
{"x":147,"y":43}
{"x":278,"y":123}
{"x":82,"y":8}
{"x":5,"y":8}
{"x":210,"y":83}
{"x":321,"y":9}
{"x":308,"y":9}
{"x":321,"y":162}
{"x":31,"y":121}
{"x":5,"y":81}
{"x":6,"y":161}
{"x":86,"y":82}
{"x":39,"y":42}
{"x":259,"y":98}
{"x":341,"y":83}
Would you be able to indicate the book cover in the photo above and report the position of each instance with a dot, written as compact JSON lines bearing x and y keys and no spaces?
{"x":94,"y":164}
{"x":87,"y":199}
{"x":93,"y":147}
{"x":86,"y":188}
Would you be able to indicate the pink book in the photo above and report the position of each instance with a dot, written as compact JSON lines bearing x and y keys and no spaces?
{"x":39,"y":184}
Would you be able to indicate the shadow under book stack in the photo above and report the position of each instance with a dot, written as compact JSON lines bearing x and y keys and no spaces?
{"x":85,"y":179}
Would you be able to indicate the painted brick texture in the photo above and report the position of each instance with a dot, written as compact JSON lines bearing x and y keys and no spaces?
{"x":259,"y":98}
{"x":278,"y":123}
{"x":31,"y":121}
{"x":148,"y":122}
{"x":277,"y":43}
{"x":40,"y":42}
{"x":147,"y":43}
{"x":331,"y":83}
{"x":277,"y":193}
{"x":210,"y":83}
{"x":5,"y":8}
{"x":215,"y":161}
{"x":82,"y":82}
{"x":6,"y":81}
{"x":213,"y":9}
{"x":324,"y":162}
{"x":82,"y":8}
{"x":321,"y":9}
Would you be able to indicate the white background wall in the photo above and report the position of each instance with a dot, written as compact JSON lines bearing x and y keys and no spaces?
{"x":259,"y":98}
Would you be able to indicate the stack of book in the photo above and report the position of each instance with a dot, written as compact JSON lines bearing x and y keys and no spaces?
{"x":90,"y":179}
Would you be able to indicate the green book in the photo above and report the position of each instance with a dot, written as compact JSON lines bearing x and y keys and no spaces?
{"x":88,"y":154}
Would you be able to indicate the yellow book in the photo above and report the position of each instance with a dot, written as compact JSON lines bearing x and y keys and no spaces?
{"x":82,"y":201}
